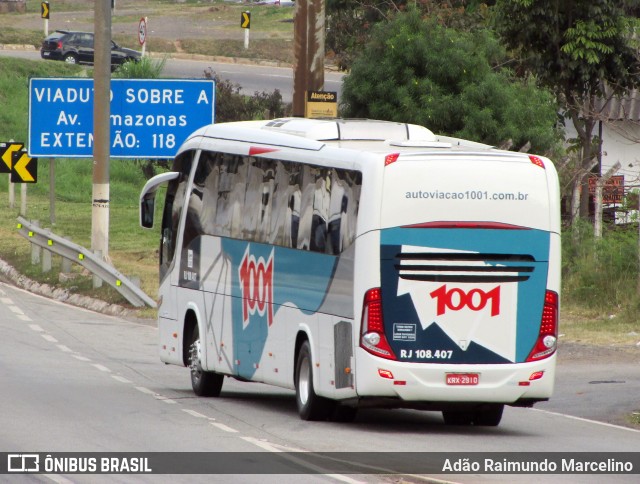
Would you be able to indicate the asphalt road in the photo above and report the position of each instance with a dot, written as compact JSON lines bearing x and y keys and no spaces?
{"x":252,"y":78}
{"x":74,"y":380}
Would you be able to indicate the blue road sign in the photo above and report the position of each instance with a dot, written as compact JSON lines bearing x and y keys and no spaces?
{"x":150,"y":118}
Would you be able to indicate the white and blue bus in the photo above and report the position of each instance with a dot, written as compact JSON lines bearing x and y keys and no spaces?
{"x":362,"y":263}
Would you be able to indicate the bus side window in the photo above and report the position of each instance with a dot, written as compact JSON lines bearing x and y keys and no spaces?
{"x":320,"y":216}
{"x":307,"y":192}
{"x":353,"y":182}
{"x":174,"y":201}
{"x":279,"y":216}
{"x":240,"y":169}
{"x":266,"y":199}
{"x":209,"y":180}
{"x":252,"y":200}
{"x":337,"y":209}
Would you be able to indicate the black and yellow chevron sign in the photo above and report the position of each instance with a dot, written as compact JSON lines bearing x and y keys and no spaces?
{"x":245,"y":20}
{"x":44,"y":10}
{"x":24,"y":168}
{"x":6,"y":150}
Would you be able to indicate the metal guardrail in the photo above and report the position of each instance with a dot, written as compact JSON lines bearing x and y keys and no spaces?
{"x":58,"y":245}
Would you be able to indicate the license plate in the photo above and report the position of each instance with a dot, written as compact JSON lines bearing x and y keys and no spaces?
{"x":463,"y":378}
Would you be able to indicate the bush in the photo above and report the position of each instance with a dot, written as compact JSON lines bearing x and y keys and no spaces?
{"x":600,"y":273}
{"x":417,"y":71}
{"x":231,"y":105}
{"x":145,"y":68}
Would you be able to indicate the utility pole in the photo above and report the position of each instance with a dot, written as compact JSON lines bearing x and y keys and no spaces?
{"x":308,"y":33}
{"x":101,"y":131}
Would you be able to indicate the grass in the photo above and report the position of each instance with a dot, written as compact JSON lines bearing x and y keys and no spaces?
{"x":9,"y":35}
{"x":132,"y":250}
{"x":214,"y":27}
{"x":590,"y":326}
{"x":279,"y":50}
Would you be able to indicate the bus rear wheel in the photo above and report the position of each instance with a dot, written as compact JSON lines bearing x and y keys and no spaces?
{"x":310,"y":405}
{"x":488,"y":416}
{"x":204,"y":383}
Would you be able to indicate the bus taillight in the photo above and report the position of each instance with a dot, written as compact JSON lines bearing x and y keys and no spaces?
{"x":548,"y":336}
{"x":372,"y":337}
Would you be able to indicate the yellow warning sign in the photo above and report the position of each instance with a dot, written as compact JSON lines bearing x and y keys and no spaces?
{"x":245,"y":20}
{"x":321,"y":104}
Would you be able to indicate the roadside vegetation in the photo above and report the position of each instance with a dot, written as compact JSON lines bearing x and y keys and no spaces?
{"x":216,"y":23}
{"x":133,"y":251}
{"x":394,"y":57}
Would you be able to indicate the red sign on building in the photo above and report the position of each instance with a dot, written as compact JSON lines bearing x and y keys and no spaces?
{"x":613,"y":190}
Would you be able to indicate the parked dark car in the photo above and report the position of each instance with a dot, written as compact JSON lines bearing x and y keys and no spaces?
{"x":77,"y":48}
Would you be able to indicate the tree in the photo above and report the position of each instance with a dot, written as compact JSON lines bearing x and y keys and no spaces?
{"x":350,"y":22}
{"x":415,"y":70}
{"x":576,"y":49}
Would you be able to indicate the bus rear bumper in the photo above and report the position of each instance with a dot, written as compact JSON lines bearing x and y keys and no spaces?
{"x":520,"y":384}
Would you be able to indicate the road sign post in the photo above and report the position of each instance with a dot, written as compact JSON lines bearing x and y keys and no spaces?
{"x":142,"y":33}
{"x":6,"y":162}
{"x":245,"y":23}
{"x":308,"y":67}
{"x":44,"y":14}
{"x":24,"y":169}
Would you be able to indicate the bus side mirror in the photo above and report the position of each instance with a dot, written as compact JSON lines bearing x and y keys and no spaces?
{"x":148,"y":196}
{"x":147,"y":209}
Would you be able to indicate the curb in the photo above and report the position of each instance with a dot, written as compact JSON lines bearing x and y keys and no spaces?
{"x":17,"y":47}
{"x":186,"y":56}
{"x":9,"y":274}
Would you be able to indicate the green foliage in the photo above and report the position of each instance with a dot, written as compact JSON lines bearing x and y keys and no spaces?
{"x":231,"y":105}
{"x":9,"y":35}
{"x":350,"y":24}
{"x":571,"y":47}
{"x":450,"y":81}
{"x":600,"y":273}
{"x":14,"y":92}
{"x":578,"y":50}
{"x":146,"y":68}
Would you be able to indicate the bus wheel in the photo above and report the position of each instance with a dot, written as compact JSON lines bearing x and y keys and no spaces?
{"x":310,"y":405}
{"x":453,"y":417}
{"x":489,"y":416}
{"x":204,"y":383}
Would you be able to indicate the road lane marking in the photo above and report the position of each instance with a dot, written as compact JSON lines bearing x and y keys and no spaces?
{"x":16,"y":309}
{"x":193,"y":413}
{"x":270,"y":446}
{"x":101,"y":368}
{"x":49,"y":338}
{"x":81,"y":358}
{"x":145,"y":390}
{"x":24,"y":317}
{"x":36,"y":327}
{"x":224,"y":427}
{"x":64,"y":348}
{"x":57,"y":478}
{"x":581,"y":419}
{"x":121,"y":379}
{"x":6,"y":300}
{"x":286,"y":453}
